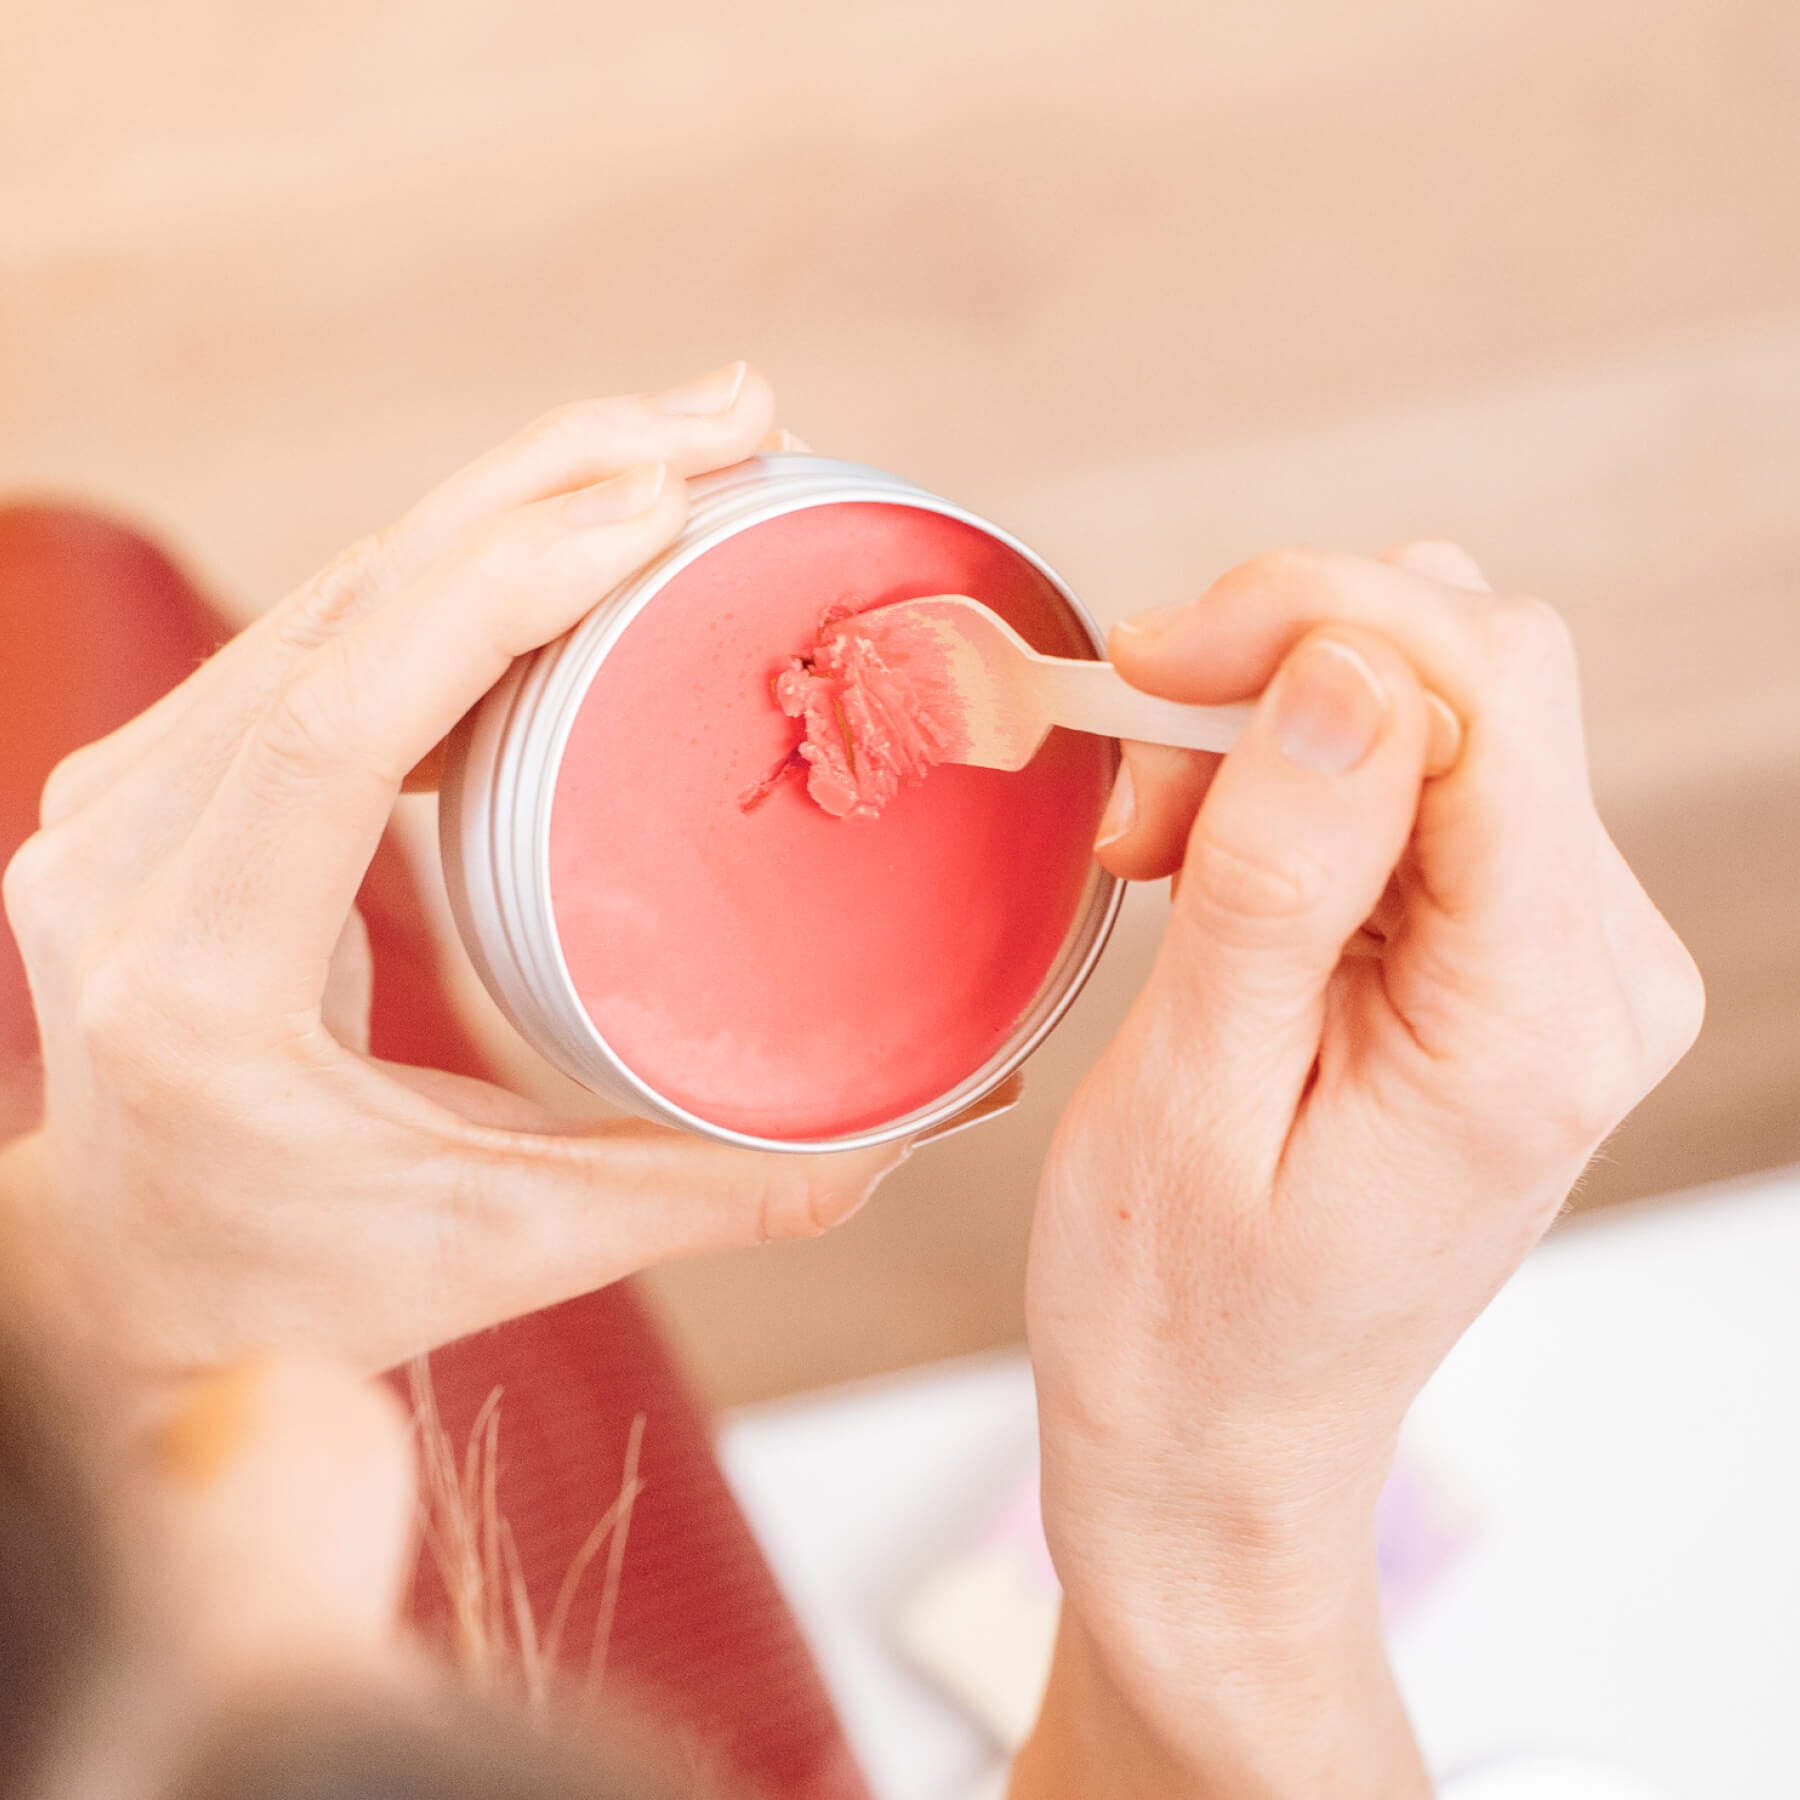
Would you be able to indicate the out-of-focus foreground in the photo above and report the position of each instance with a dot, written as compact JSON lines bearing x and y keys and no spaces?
{"x":1157,"y":285}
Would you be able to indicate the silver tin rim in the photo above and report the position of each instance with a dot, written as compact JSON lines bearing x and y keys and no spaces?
{"x":499,"y":785}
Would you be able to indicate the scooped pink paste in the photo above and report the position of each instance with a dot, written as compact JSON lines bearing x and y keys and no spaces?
{"x":779,"y":970}
{"x":876,"y":712}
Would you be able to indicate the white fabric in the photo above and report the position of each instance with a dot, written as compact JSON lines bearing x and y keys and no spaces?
{"x":1620,"y":1426}
{"x":1527,"y":1780}
{"x":1543,"y":1779}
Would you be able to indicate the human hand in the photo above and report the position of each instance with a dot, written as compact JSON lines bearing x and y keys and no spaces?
{"x":1298,"y":1174}
{"x":223,"y":1168}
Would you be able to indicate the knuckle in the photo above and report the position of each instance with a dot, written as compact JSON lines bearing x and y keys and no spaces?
{"x":562,"y":422}
{"x":297,"y":735}
{"x":1438,"y":559}
{"x":1289,"y":570}
{"x":522,"y":566}
{"x":69,"y":785}
{"x":1429,"y":549}
{"x":311,"y":726}
{"x":512,"y":547}
{"x":1526,"y":1081}
{"x":1596,"y":1091}
{"x":327,"y":602}
{"x":1674,"y":1003}
{"x":1225,"y":880}
{"x":114,"y":1015}
{"x":577,"y":429}
{"x":1530,"y":636}
{"x":1533,"y":1119}
{"x":1687,"y":1003}
{"x":1581,"y":1069}
{"x":35,"y":882}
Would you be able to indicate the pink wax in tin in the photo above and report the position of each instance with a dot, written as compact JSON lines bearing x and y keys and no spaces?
{"x":777,"y":970}
{"x":878,"y":710}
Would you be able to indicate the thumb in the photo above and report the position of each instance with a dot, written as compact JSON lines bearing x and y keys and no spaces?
{"x":626,"y":1195}
{"x":670,"y":1194}
{"x":1290,"y":852}
{"x":559,"y":1211}
{"x":769,"y":1195}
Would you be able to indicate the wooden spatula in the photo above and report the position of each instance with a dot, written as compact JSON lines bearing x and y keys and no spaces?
{"x":1000,"y":698}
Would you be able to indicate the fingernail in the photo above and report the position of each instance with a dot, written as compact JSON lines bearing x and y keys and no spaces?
{"x":783,"y":439}
{"x":625,"y":496}
{"x":1154,"y":623}
{"x":714,"y":393}
{"x":1002,"y":1100}
{"x":1121,"y":810}
{"x":1328,"y":707}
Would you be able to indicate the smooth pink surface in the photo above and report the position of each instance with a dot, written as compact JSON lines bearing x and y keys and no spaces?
{"x":779,"y":971}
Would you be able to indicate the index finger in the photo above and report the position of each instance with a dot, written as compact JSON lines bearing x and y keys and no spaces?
{"x":275,"y":859}
{"x":1518,"y":793}
{"x":171,"y":755}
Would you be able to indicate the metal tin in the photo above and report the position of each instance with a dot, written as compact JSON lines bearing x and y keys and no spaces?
{"x":500,"y":779}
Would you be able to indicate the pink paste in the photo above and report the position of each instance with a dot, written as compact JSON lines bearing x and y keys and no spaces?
{"x":876,"y":712}
{"x":777,"y":970}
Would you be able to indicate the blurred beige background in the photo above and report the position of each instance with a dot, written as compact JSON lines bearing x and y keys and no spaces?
{"x":1157,"y":285}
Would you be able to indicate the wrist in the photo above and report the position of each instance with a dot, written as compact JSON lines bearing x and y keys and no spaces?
{"x":1090,"y":1737}
{"x":1269,"y":1716}
{"x":1240,"y":1538}
{"x":1219,"y":1643}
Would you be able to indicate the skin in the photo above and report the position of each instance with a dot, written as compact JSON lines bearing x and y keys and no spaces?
{"x":201,"y":977}
{"x":258,"y":1536}
{"x":1391,"y":1020}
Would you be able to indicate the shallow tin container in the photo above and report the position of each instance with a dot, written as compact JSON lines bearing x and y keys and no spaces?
{"x":500,"y":779}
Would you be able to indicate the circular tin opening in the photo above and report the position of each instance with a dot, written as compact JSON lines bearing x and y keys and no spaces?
{"x":775,"y":978}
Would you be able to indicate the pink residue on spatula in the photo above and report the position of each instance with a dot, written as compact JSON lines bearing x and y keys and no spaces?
{"x":877,"y":709}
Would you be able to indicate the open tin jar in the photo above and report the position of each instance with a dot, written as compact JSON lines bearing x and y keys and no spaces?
{"x":751,"y":968}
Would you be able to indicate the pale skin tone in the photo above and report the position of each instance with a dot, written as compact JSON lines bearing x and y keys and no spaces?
{"x":262,"y":1521}
{"x":1314,"y":1153}
{"x":1311,"y":1156}
{"x":201,"y":979}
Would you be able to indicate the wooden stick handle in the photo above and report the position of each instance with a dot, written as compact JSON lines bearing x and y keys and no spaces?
{"x":1094,"y":696}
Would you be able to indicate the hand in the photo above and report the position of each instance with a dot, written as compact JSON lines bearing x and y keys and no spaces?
{"x":1298,"y":1174}
{"x":222,"y":1167}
